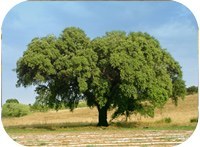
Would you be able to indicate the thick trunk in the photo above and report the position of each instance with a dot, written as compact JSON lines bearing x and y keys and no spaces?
{"x":102,"y":116}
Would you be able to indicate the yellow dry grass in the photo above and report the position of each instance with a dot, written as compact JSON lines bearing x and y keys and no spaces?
{"x":181,"y":114}
{"x":186,"y":110}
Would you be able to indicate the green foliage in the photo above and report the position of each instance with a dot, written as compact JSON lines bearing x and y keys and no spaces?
{"x":164,"y":120}
{"x":168,"y":120}
{"x":41,"y":102}
{"x":192,"y":90}
{"x":15,"y":110}
{"x":82,"y":104}
{"x":12,"y":101}
{"x":194,"y":120}
{"x":179,"y":90}
{"x":129,"y":72}
{"x":39,"y":108}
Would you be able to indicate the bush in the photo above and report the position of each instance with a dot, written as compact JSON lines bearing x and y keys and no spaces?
{"x":39,"y":108}
{"x":15,"y":110}
{"x":168,"y":120}
{"x":165,"y":120}
{"x":82,"y":104}
{"x":194,"y":120}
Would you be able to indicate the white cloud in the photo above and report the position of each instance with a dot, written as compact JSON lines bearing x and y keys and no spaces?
{"x":180,"y":37}
{"x":175,"y":30}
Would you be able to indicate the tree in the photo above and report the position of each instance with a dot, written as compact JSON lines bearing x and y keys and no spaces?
{"x":128,"y":72}
{"x":192,"y":90}
{"x":12,"y":101}
{"x":41,"y":102}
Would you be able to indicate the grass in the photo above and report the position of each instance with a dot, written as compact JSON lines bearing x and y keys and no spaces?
{"x":91,"y":127}
{"x":88,"y":129}
{"x":182,"y":117}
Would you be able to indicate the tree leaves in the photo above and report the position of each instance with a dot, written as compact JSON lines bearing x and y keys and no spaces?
{"x":129,"y":72}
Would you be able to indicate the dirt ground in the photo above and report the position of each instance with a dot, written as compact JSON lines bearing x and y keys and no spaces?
{"x":106,"y":138}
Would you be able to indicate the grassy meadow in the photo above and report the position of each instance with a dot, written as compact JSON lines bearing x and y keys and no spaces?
{"x":185,"y":114}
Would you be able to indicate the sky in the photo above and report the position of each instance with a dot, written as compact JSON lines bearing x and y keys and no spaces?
{"x":170,"y":22}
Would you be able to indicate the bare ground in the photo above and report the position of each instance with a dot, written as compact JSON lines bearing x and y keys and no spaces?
{"x":106,"y":138}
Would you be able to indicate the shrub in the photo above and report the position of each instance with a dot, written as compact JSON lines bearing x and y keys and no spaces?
{"x":168,"y":120}
{"x":164,"y":120}
{"x":15,"y":110}
{"x":39,"y":108}
{"x":194,"y":120}
{"x":82,"y":104}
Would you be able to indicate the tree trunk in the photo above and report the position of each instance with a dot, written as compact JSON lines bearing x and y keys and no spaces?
{"x":102,"y":116}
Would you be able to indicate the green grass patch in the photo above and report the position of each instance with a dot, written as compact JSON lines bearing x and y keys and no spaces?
{"x":90,"y":127}
{"x":152,"y":126}
{"x":173,"y":127}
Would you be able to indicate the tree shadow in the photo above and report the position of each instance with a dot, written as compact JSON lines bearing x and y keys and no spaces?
{"x":73,"y":126}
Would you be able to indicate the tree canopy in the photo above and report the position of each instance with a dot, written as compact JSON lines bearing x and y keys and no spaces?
{"x":192,"y":90}
{"x":12,"y":101}
{"x":128,"y":72}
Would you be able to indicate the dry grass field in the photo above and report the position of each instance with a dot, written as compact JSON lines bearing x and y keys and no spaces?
{"x":77,"y":128}
{"x":182,"y":114}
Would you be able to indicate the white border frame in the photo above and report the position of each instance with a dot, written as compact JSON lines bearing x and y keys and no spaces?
{"x":7,"y":5}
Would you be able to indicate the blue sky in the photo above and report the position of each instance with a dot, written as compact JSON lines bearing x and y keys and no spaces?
{"x":170,"y":22}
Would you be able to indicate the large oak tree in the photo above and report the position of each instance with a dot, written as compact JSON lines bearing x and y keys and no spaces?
{"x":128,"y":72}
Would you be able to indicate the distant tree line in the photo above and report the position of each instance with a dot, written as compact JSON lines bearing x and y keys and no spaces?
{"x":192,"y":90}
